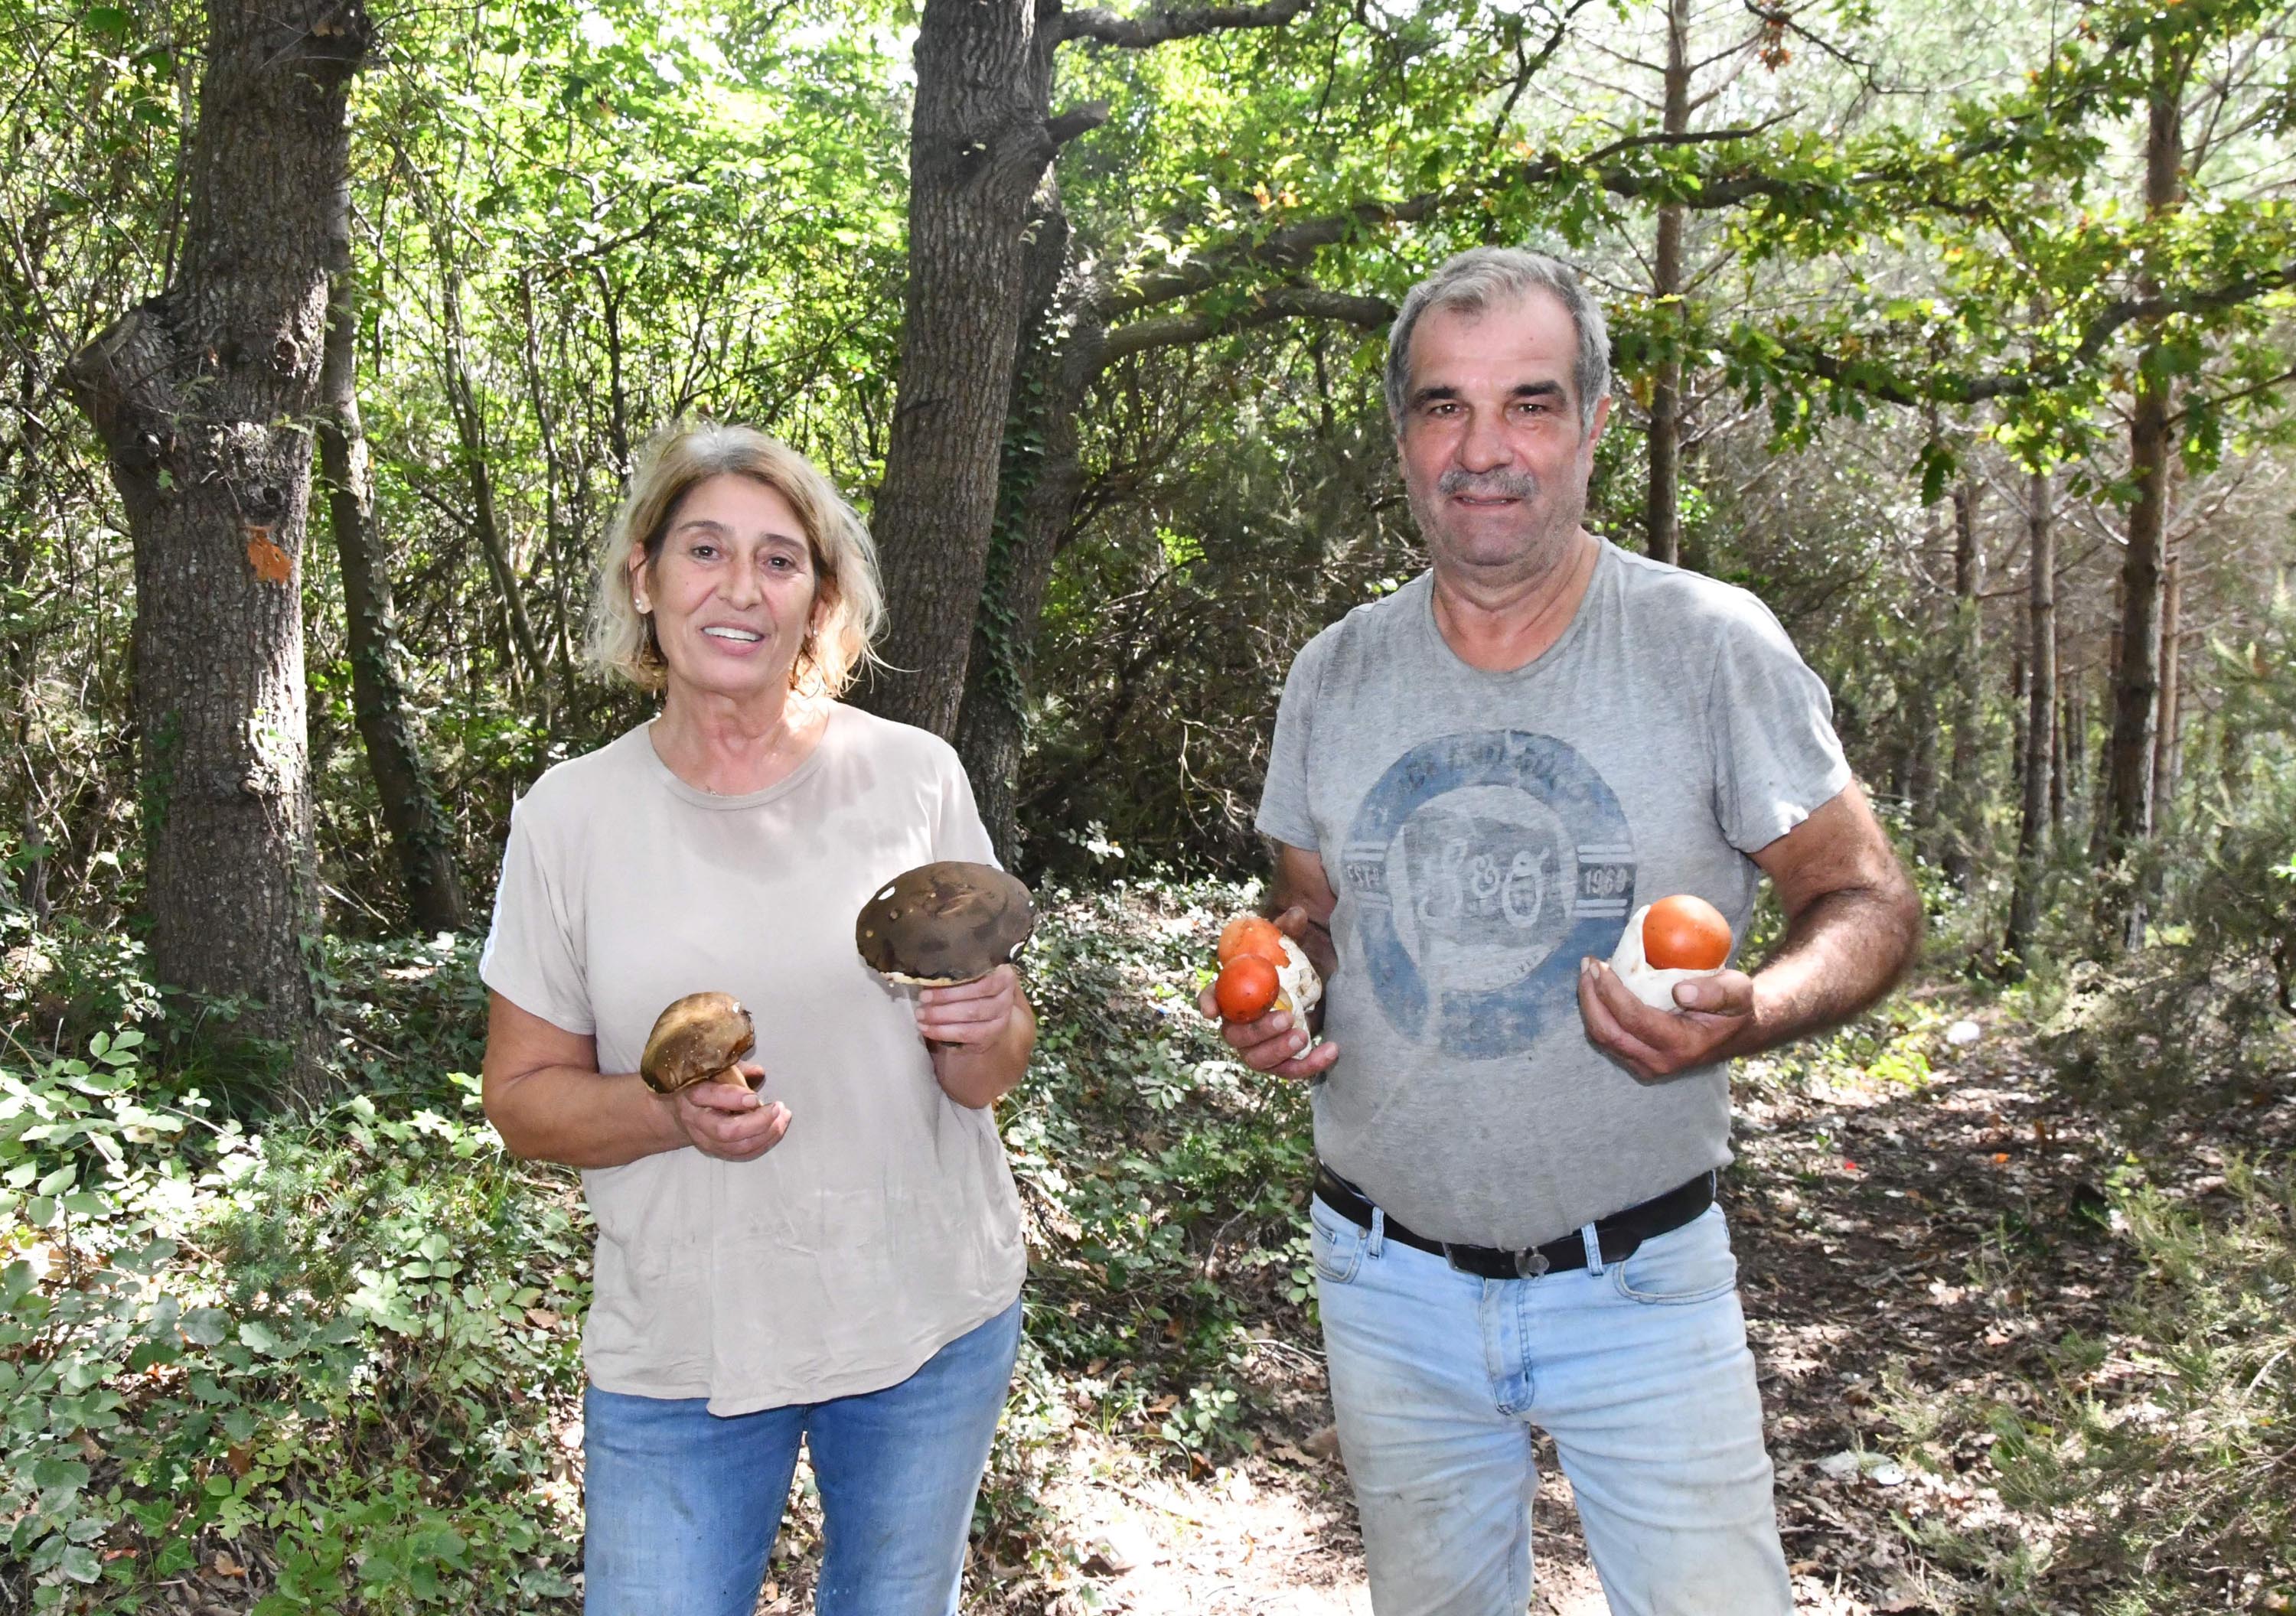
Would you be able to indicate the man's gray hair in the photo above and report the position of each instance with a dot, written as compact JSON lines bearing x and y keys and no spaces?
{"x":1483,"y":276}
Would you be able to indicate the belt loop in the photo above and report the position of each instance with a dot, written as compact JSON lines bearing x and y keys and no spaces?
{"x":1378,"y":1232}
{"x":1594,"y":1242}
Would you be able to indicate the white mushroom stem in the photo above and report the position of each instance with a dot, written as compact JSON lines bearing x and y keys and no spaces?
{"x":1298,"y":988}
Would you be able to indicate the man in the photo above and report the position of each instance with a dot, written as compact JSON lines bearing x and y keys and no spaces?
{"x":1475,"y":782}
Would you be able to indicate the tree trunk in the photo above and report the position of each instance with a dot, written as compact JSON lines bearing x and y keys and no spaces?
{"x":1663,"y":505}
{"x":201,"y":397}
{"x":1042,"y":475}
{"x":980,"y":141}
{"x":486,"y":522}
{"x":2020,"y":697}
{"x":420,"y":834}
{"x":1922,"y":776}
{"x":2071,"y":762}
{"x":2035,"y":813}
{"x":2168,"y":744}
{"x":2136,"y":677}
{"x":1964,"y":828}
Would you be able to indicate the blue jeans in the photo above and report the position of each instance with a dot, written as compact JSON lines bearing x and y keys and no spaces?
{"x":683,"y":1506}
{"x":1639,"y":1371}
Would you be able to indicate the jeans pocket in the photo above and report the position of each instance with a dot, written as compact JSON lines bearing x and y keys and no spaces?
{"x":1337,"y":1245}
{"x":1693,"y":1264}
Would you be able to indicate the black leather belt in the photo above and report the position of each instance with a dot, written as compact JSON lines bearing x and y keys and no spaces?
{"x":1619,"y":1235}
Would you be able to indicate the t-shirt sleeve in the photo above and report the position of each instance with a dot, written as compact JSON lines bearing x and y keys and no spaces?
{"x":533,"y":956}
{"x":1770,"y":721}
{"x":1283,"y":809}
{"x":957,"y":832}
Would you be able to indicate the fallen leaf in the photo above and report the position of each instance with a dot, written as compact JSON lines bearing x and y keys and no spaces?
{"x":224,"y":1565}
{"x":542,"y":1318}
{"x":239,"y":1458}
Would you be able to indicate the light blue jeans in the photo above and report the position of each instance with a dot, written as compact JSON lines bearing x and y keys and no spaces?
{"x":1639,"y":1371}
{"x":683,"y":1506}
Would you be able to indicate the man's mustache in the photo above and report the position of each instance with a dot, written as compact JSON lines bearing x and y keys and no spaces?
{"x":1487,"y":485}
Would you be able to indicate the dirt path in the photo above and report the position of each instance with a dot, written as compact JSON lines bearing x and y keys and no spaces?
{"x":1875,"y":1220}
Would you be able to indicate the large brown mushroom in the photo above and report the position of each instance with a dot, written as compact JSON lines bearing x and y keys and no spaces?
{"x":701,"y":1037}
{"x":944,"y":923}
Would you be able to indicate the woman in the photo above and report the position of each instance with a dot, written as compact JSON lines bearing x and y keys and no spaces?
{"x":836,"y":1257}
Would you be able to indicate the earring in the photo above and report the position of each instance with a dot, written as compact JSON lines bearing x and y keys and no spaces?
{"x":644,"y":606}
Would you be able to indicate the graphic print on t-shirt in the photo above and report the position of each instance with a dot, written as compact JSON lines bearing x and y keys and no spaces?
{"x":1483,"y":867}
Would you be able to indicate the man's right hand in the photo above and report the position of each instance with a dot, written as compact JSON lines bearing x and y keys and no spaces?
{"x":732,"y":1124}
{"x":1278,"y":1041}
{"x":1275,"y":1043}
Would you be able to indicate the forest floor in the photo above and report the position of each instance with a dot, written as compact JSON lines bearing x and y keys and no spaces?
{"x":1914,"y":1242}
{"x":2022,"y":1300}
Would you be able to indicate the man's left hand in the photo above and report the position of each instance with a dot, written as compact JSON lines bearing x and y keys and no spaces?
{"x":1654,"y":1045}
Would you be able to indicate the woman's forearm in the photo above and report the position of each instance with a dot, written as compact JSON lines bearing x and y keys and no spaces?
{"x":978,"y":1076}
{"x":582,"y":1119}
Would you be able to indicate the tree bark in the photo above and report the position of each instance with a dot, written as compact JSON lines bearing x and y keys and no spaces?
{"x":2136,"y":675}
{"x":1663,"y":504}
{"x":420,"y":835}
{"x":201,"y":397}
{"x":2035,"y":812}
{"x":980,"y":141}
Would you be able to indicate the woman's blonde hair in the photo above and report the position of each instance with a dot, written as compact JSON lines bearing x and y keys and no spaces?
{"x":681,"y":457}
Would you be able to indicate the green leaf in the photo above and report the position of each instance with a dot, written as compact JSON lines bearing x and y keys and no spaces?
{"x":81,"y":1564}
{"x":50,"y":1472}
{"x":204,"y":1326}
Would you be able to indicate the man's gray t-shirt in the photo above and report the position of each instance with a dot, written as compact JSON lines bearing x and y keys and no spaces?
{"x":1484,"y":833}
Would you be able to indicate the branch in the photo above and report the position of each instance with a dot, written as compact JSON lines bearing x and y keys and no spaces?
{"x":1063,"y":127}
{"x":2230,"y":295}
{"x":1291,"y":245}
{"x":1153,"y":28}
{"x":1263,"y":308}
{"x":1877,"y":380}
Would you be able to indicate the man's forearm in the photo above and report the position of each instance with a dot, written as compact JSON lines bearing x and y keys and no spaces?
{"x":1841,"y":954}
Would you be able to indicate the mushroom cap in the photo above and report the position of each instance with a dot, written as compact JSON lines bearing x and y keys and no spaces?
{"x":944,"y":923}
{"x":702,"y":1035}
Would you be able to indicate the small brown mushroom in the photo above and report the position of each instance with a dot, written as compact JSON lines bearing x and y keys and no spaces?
{"x":944,"y":923}
{"x":702,"y":1037}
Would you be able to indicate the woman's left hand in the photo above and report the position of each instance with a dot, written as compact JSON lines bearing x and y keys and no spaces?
{"x":971,"y":1014}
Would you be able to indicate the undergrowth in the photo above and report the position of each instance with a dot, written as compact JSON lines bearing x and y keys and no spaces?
{"x":330,"y":1362}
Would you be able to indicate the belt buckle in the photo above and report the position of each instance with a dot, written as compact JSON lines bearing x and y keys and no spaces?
{"x":1528,"y":1264}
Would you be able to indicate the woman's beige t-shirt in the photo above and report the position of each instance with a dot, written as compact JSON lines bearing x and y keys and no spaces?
{"x":885,"y":1224}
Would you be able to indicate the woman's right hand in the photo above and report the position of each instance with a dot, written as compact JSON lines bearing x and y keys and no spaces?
{"x":732,"y":1124}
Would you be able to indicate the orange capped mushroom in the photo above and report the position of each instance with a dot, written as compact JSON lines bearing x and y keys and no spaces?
{"x":1253,"y":952}
{"x":1685,"y":932}
{"x":1251,"y":935}
{"x":1668,"y":941}
{"x":1247,"y":988}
